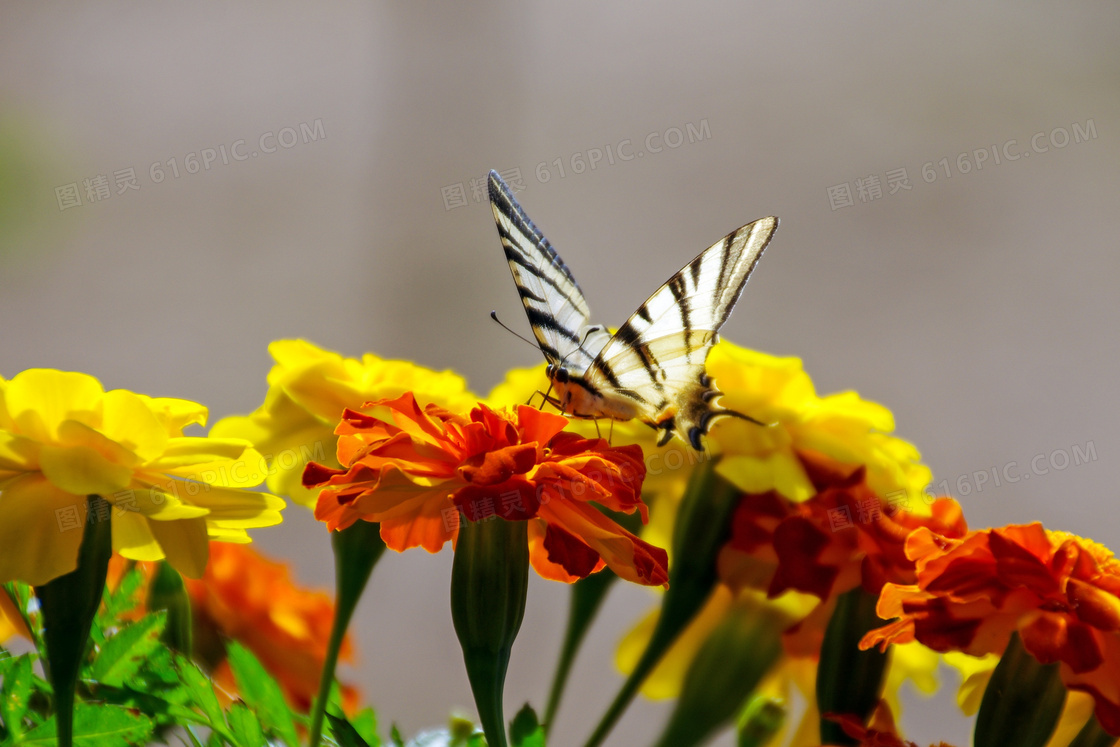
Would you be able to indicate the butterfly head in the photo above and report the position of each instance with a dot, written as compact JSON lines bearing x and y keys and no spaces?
{"x":556,"y":372}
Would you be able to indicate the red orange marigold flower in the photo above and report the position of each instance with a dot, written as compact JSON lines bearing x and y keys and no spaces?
{"x":842,"y":537}
{"x":414,"y":469}
{"x":1059,"y":591}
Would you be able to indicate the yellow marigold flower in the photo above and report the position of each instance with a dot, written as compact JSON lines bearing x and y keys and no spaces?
{"x":841,"y":426}
{"x":308,"y":389}
{"x":63,"y":437}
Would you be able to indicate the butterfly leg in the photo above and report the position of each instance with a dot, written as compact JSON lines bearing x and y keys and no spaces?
{"x":610,"y":434}
{"x":597,"y":431}
{"x":544,"y":397}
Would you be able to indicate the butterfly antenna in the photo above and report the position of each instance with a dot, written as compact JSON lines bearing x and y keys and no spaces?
{"x":586,"y":334}
{"x":494,"y":316}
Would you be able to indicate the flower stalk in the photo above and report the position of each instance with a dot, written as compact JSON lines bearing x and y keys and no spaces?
{"x":1022,"y":702}
{"x":587,"y":596}
{"x":69,"y":603}
{"x":356,"y":551}
{"x":703,"y":526}
{"x":849,"y":681}
{"x":489,"y":587}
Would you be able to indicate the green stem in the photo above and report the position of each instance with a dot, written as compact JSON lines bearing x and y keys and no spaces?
{"x":489,"y":587}
{"x":356,"y":551}
{"x":585,"y":599}
{"x":69,"y":604}
{"x":1022,"y":701}
{"x":703,"y":526}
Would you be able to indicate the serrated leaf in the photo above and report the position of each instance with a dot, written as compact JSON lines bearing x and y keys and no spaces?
{"x":15,"y":694}
{"x":122,"y":655}
{"x":525,"y":729}
{"x":245,"y":725}
{"x":260,"y":691}
{"x":96,"y":726}
{"x":345,"y":733}
{"x":199,"y":688}
{"x":122,"y":599}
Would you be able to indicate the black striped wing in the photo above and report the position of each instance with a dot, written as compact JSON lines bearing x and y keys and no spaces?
{"x":657,"y":357}
{"x":557,"y":310}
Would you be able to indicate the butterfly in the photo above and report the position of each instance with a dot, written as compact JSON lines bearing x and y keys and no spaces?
{"x":652,"y":368}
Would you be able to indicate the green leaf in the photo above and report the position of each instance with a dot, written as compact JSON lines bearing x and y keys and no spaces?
{"x":525,"y":730}
{"x":260,"y":691}
{"x":199,"y":688}
{"x":122,"y":655}
{"x":122,"y":599}
{"x":365,"y":723}
{"x":395,"y":738}
{"x":15,"y":693}
{"x":245,"y":725}
{"x":95,"y":726}
{"x":344,"y":732}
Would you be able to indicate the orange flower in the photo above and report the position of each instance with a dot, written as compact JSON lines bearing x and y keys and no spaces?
{"x":253,"y":600}
{"x":881,"y":732}
{"x":415,"y":473}
{"x":249,"y":598}
{"x":843,"y":536}
{"x":1060,"y":592}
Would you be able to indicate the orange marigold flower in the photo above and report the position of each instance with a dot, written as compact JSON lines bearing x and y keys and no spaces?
{"x":249,"y":598}
{"x":253,"y":600}
{"x":843,"y":536}
{"x":414,"y":469}
{"x":1059,"y":591}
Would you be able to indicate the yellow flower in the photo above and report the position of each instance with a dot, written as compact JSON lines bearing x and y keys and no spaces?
{"x":842,"y":426}
{"x":309,"y":388}
{"x":63,"y":437}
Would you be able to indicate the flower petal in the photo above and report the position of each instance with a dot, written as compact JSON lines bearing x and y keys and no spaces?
{"x":40,"y":529}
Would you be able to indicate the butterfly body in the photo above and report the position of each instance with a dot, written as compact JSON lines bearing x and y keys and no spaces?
{"x":652,"y":367}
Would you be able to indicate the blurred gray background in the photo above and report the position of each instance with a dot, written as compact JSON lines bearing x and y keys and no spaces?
{"x":977,"y":299}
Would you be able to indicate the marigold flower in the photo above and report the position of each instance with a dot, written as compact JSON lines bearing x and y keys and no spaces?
{"x":63,"y":437}
{"x":413,"y":469}
{"x":309,"y":388}
{"x":1060,"y":592}
{"x":252,"y":599}
{"x":842,"y":537}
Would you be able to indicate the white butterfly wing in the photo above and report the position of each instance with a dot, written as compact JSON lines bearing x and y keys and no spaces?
{"x":553,"y":301}
{"x":656,"y":359}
